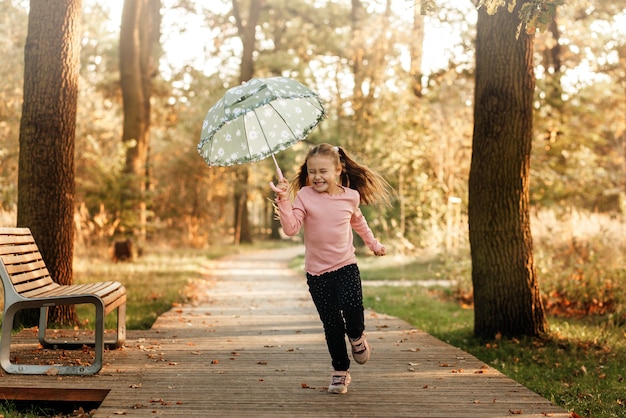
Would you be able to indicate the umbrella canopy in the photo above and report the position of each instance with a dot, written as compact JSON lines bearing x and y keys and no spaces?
{"x":257,"y":119}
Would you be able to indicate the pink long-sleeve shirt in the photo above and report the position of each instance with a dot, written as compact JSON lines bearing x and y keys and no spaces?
{"x":328,"y":221}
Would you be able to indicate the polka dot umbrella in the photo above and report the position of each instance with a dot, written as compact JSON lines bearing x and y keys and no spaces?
{"x":258,"y":119}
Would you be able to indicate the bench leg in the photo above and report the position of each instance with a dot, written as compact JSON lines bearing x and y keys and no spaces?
{"x":5,"y":342}
{"x":120,"y":337}
{"x":121,"y":326}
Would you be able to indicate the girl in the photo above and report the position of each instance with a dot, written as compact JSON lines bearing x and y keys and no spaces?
{"x":329,"y":188}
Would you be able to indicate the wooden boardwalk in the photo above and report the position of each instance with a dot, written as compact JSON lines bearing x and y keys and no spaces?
{"x":253,"y":346}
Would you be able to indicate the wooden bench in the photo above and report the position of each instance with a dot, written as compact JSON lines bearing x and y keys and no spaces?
{"x":27,"y":284}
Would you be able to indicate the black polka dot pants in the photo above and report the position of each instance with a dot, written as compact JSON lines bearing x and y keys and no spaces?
{"x":338,"y":297}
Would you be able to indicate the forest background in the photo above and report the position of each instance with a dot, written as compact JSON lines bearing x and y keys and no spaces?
{"x":417,"y":100}
{"x":398,"y":83}
{"x":408,"y":115}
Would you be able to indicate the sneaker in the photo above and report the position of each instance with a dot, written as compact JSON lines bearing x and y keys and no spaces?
{"x":339,"y":382}
{"x":360,"y":349}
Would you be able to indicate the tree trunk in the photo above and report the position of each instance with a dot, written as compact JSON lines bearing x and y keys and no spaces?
{"x":506,"y":290}
{"x":47,"y":132}
{"x":247,"y":32}
{"x":139,"y":40}
{"x":417,"y":51}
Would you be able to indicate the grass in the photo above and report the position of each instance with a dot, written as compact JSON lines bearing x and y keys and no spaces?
{"x":25,"y":410}
{"x":10,"y":409}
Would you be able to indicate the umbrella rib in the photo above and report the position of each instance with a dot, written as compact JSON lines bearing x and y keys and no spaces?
{"x":281,"y":118}
{"x":265,"y":137}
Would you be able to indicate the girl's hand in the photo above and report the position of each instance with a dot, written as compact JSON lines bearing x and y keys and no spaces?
{"x":381,"y":252}
{"x":281,"y":188}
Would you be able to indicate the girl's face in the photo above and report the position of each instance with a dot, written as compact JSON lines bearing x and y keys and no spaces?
{"x":323,"y":174}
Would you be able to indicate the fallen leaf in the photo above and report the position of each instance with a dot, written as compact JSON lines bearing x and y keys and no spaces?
{"x":52,"y":371}
{"x":262,"y":363}
{"x":516,"y":412}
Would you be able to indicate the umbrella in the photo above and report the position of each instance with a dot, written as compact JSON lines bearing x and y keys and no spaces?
{"x":257,"y":119}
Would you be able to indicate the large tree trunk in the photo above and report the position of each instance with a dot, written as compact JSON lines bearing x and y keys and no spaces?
{"x":417,"y":51}
{"x":139,"y":40}
{"x":506,"y":291}
{"x":47,"y":131}
{"x":246,"y":27}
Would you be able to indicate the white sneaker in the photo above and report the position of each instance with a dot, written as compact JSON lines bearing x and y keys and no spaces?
{"x":339,"y":382}
{"x":360,"y":349}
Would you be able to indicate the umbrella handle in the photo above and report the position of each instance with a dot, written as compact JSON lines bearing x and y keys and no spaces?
{"x":278,"y":170}
{"x":280,"y":176}
{"x":275,"y":189}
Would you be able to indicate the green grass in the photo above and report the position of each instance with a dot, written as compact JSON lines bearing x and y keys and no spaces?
{"x":22,"y":409}
{"x":579,"y":366}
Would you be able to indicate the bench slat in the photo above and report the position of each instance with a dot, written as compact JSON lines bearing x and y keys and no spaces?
{"x":33,"y":288}
{"x":24,"y":272}
{"x":113,"y":295}
{"x":6,"y":250}
{"x":15,"y":239}
{"x":24,"y":256}
{"x":100,"y":289}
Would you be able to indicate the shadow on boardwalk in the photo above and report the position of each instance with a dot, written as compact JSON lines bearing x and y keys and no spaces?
{"x":253,"y":346}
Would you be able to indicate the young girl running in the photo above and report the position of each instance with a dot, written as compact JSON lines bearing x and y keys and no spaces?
{"x":329,"y":188}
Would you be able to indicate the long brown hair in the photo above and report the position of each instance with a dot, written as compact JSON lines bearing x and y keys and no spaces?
{"x":372,"y":187}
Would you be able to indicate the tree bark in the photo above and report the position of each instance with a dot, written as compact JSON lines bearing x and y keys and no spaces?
{"x":506,"y":290}
{"x":47,"y":131}
{"x":417,"y":51}
{"x":139,"y":40}
{"x":246,"y":28}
